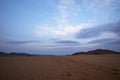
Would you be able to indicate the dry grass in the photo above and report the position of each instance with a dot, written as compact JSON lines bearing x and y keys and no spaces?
{"x":81,"y":67}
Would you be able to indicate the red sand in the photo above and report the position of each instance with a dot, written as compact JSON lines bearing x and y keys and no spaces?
{"x":80,"y":67}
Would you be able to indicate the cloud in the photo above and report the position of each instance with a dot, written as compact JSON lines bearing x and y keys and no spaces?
{"x":117,"y":42}
{"x":62,"y":15}
{"x":66,"y":9}
{"x":100,"y":8}
{"x":103,"y":41}
{"x":108,"y":2}
{"x":109,"y":30}
{"x":67,"y":30}
{"x":45,"y":30}
{"x":112,"y":44}
{"x":97,"y":4}
{"x":67,"y":42}
{"x":21,"y":42}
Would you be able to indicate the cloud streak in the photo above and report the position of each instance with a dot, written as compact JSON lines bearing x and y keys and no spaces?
{"x":21,"y":42}
{"x":105,"y":41}
{"x":67,"y":42}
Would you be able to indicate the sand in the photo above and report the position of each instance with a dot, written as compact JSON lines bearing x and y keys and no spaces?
{"x":80,"y":67}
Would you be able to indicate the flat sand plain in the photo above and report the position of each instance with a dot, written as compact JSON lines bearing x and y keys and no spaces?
{"x":79,"y":67}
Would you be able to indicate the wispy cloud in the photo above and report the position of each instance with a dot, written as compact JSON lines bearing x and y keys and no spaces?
{"x":66,"y":9}
{"x":67,"y":42}
{"x":21,"y":42}
{"x":103,"y":41}
{"x":104,"y":8}
{"x":97,"y":4}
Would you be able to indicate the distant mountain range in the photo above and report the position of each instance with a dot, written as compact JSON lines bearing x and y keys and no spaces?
{"x":14,"y":54}
{"x":92,"y":52}
{"x":97,"y":52}
{"x":21,"y":54}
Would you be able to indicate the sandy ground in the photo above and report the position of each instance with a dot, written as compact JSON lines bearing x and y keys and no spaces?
{"x":82,"y":67}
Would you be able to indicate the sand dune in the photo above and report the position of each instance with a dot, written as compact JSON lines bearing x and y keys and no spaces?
{"x":81,"y":67}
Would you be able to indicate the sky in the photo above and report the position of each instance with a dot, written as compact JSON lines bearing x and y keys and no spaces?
{"x":59,"y":27}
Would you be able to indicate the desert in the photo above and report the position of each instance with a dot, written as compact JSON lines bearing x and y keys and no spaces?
{"x":77,"y":67}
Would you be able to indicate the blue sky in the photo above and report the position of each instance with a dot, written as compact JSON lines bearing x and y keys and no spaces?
{"x":59,"y":26}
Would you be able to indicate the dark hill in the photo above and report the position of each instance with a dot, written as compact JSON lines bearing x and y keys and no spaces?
{"x":13,"y":54}
{"x":18,"y":54}
{"x":21,"y":54}
{"x":3,"y":53}
{"x":97,"y":52}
